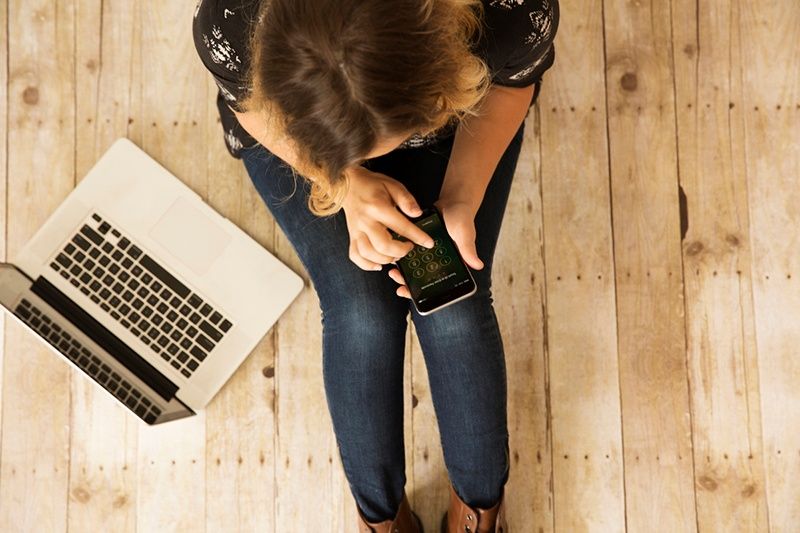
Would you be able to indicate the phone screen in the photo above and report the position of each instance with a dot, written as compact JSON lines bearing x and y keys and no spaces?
{"x":437,"y":275}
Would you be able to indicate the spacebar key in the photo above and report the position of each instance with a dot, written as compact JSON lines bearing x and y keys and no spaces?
{"x":168,"y":279}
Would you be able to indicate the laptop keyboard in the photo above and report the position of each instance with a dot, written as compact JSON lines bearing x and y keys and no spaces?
{"x":90,"y":363}
{"x":149,"y":301}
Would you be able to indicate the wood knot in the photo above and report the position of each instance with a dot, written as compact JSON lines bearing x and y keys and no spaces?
{"x":748,"y":490}
{"x":81,"y":494}
{"x":694,"y":248}
{"x":91,"y":65}
{"x":269,"y":371}
{"x":629,"y":82}
{"x":30,"y":95}
{"x":689,"y":50}
{"x":414,"y":401}
{"x":732,"y":239}
{"x":708,"y":483}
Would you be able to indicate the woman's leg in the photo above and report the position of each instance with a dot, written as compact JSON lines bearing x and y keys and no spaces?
{"x":461,"y":343}
{"x":363,"y":339}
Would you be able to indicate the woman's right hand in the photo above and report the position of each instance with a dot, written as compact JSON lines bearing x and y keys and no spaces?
{"x":370,"y":208}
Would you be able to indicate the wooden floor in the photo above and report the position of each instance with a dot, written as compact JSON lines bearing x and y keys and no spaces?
{"x":651,"y":342}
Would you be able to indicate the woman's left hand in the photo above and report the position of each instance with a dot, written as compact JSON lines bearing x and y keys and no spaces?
{"x":459,"y":220}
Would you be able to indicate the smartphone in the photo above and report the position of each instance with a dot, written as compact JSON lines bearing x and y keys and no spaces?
{"x":436,"y":277}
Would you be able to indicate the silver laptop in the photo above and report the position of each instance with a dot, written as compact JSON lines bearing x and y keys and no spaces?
{"x":145,"y":288}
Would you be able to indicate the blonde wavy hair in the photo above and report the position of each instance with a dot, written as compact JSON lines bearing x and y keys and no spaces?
{"x":334,"y":77}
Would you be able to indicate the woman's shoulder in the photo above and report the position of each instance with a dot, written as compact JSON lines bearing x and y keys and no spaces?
{"x":220,"y":30}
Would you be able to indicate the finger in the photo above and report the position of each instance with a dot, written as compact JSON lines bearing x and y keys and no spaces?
{"x":382,"y":241}
{"x":368,"y":252}
{"x":403,"y":291}
{"x":359,"y":260}
{"x":395,"y":220}
{"x":470,"y":254}
{"x":403,"y":198}
{"x":397,"y":276}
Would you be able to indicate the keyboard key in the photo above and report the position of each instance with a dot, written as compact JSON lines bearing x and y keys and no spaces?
{"x":76,"y":269}
{"x":108,"y":280}
{"x":186,"y":343}
{"x":94,"y":252}
{"x":124,"y":322}
{"x":195,"y":301}
{"x":117,"y":255}
{"x":137,"y":303}
{"x":79,"y":257}
{"x":156,"y":286}
{"x":166,"y":327}
{"x":105,"y":260}
{"x":203,"y":341}
{"x":185,"y":372}
{"x":99,"y":272}
{"x":89,"y":264}
{"x":192,"y":331}
{"x":96,"y":217}
{"x":143,"y":292}
{"x":144,"y":324}
{"x":168,"y":279}
{"x":215,"y":318}
{"x":210,"y":330}
{"x":63,"y":260}
{"x":86,"y":278}
{"x":123,"y":243}
{"x":166,"y":295}
{"x":185,"y":309}
{"x":175,"y":364}
{"x":124,"y":276}
{"x":134,"y":252}
{"x":225,"y":326}
{"x":127,"y":262}
{"x":153,"y":333}
{"x":136,"y":270}
{"x":114,"y":301}
{"x":172,"y":315}
{"x":147,"y":311}
{"x":182,"y":323}
{"x":92,"y":235}
{"x":95,"y":285}
{"x":162,"y":308}
{"x":134,"y":284}
{"x":195,"y":318}
{"x":81,"y":242}
{"x":163,"y":340}
{"x":192,"y":364}
{"x":175,"y":302}
{"x":127,"y":295}
{"x":124,"y":309}
{"x":152,"y":300}
{"x":104,"y":227}
{"x":172,"y":349}
{"x":114,"y":268}
{"x":134,"y":317}
{"x":95,"y":299}
{"x":198,"y":353}
{"x":175,"y":335}
{"x":183,"y":356}
{"x":118,"y":288}
{"x":205,"y":310}
{"x":107,"y":247}
{"x":69,"y":248}
{"x":105,"y":293}
{"x":157,"y":319}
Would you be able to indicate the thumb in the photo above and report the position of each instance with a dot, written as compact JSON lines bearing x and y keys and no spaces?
{"x":404,"y":199}
{"x":470,"y":254}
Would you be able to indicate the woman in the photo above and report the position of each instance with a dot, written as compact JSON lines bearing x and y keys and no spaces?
{"x":382,"y":108}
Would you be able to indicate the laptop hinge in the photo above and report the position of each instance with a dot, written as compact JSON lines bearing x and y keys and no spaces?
{"x":104,"y":338}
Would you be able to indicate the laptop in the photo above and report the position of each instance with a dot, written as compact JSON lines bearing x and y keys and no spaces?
{"x":146,"y":289}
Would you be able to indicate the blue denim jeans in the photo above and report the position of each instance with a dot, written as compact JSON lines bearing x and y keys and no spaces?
{"x":364,"y":325}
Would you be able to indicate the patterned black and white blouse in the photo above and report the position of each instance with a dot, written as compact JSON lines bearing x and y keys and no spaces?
{"x":517,"y":44}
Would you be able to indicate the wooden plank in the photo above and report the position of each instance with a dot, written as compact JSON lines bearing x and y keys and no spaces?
{"x":726,"y":418}
{"x":36,"y":404}
{"x":770,"y":67}
{"x":653,"y":375}
{"x":103,"y":446}
{"x":581,"y":342}
{"x":240,"y":445}
{"x":174,"y":100}
{"x":518,"y":284}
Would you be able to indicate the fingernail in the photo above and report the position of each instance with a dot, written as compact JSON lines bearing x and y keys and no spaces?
{"x":376,"y":268}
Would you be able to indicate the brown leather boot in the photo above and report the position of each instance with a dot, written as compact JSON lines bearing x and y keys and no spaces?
{"x":461,"y":518}
{"x":406,"y":521}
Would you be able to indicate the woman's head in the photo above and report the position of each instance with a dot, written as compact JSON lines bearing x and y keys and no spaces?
{"x":348,"y":80}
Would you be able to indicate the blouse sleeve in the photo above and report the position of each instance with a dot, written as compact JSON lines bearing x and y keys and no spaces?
{"x":532,"y":51}
{"x":218,"y":29}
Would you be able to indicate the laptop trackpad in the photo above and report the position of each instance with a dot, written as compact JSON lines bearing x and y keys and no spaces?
{"x":190,"y":235}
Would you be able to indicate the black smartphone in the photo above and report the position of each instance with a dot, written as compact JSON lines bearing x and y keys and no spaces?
{"x":436,"y":277}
